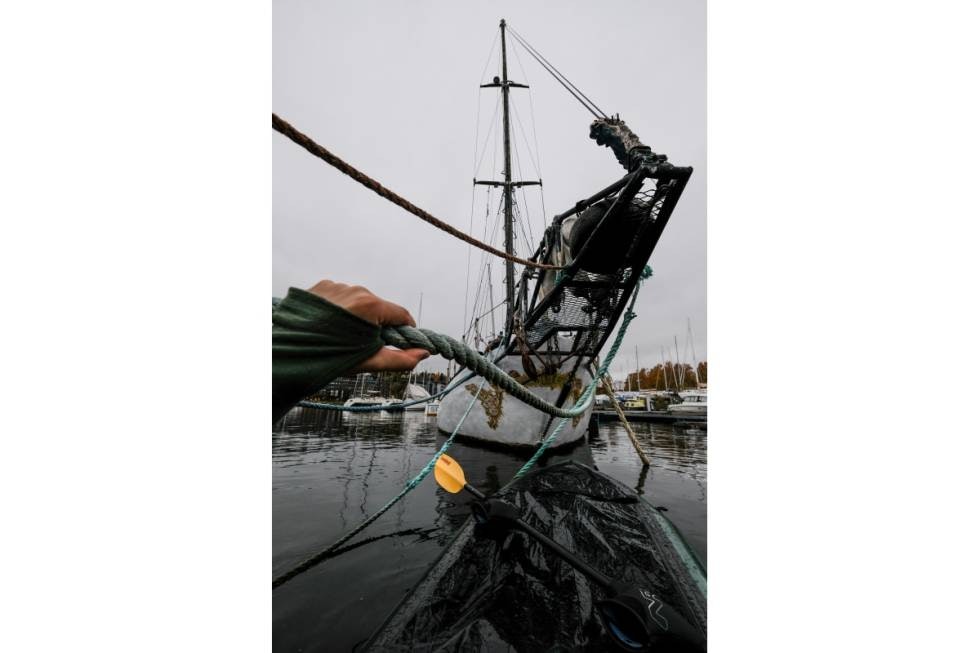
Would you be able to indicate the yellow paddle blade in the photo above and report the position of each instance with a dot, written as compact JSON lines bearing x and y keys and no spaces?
{"x":449,"y":475}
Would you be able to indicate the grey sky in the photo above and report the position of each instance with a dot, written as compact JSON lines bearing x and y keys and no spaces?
{"x":392,"y":87}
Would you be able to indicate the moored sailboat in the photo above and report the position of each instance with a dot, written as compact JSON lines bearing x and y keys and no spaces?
{"x":556,"y":322}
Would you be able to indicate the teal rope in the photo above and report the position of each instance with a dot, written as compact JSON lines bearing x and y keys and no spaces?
{"x":586,"y":397}
{"x":410,"y":485}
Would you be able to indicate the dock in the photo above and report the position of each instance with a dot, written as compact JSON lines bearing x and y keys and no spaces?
{"x":659,"y":416}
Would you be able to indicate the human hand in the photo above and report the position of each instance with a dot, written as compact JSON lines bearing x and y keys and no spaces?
{"x":366,"y":305}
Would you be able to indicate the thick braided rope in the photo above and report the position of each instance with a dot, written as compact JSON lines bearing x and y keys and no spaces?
{"x":323,"y":153}
{"x":406,"y":337}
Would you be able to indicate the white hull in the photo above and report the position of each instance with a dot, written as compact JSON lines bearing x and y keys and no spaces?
{"x":681,"y":409}
{"x":694,"y":403}
{"x":413,"y":393}
{"x":359,"y":402}
{"x":501,"y":419}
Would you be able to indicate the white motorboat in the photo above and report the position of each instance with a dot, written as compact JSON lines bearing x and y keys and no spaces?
{"x":693,"y":402}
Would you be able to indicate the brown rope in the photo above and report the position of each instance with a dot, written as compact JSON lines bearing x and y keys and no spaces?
{"x":321,"y":152}
{"x":622,"y":418}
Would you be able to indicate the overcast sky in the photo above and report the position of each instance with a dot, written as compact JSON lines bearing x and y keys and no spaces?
{"x":392,"y":88}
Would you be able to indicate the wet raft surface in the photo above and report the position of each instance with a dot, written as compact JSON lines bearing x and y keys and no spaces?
{"x":504,"y":592}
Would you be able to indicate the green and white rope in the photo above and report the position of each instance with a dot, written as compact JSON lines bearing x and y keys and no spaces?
{"x":587,"y":396}
{"x":489,"y":371}
{"x":410,"y":485}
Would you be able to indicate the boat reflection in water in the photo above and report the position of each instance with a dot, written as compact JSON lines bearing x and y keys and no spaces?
{"x":488,"y":470}
{"x":330,"y":471}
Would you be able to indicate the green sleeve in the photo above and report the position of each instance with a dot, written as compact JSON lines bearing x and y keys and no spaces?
{"x":313,"y":342}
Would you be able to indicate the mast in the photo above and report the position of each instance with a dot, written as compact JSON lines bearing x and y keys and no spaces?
{"x":508,"y":192}
{"x":508,"y":184}
{"x":694,"y":354}
{"x":677,"y":354}
{"x":636,"y":350}
{"x":411,"y":375}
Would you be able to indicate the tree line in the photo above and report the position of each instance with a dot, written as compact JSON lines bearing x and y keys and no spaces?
{"x":668,"y":376}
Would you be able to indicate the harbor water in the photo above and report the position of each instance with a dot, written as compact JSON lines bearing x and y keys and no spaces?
{"x":332,"y":470}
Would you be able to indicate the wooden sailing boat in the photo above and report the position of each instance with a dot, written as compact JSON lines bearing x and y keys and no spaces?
{"x":557,"y":323}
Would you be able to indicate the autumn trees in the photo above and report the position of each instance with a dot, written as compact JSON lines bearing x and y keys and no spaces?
{"x":668,"y":376}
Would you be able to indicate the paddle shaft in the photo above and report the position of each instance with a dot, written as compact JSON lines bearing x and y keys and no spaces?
{"x":596,"y":577}
{"x":472,"y":490}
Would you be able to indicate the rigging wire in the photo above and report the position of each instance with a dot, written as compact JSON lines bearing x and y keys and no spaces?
{"x":492,"y":308}
{"x":537,"y":146}
{"x":520,"y":220}
{"x":530,"y":101}
{"x":547,"y":65}
{"x":469,"y":256}
{"x":495,"y":229}
{"x":520,"y":126}
{"x":484,"y":261}
{"x":492,"y":131}
{"x":476,"y":165}
{"x":528,"y":237}
{"x":527,"y":211}
{"x":479,"y":96}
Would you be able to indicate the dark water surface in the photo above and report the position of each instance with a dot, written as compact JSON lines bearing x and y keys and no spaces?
{"x":330,"y":471}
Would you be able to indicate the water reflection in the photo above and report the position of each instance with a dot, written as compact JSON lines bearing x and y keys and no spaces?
{"x":331,"y":470}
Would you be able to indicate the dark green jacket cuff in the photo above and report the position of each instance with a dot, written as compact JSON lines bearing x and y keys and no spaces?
{"x":313,"y":342}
